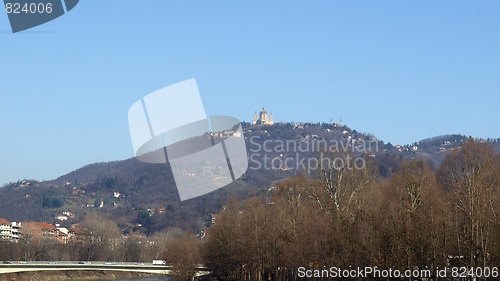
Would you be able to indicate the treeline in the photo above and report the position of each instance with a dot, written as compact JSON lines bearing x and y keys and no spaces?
{"x":418,"y":219}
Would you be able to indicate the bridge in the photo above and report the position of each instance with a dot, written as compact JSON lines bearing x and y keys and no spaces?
{"x":11,"y":267}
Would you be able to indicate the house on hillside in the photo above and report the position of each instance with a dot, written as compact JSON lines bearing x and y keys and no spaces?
{"x":61,"y":217}
{"x":214,"y":218}
{"x":69,"y":214}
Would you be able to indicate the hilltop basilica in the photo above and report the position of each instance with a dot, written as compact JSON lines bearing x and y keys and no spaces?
{"x":263,"y":118}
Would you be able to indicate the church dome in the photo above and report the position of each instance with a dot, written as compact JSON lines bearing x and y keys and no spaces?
{"x":263,"y":118}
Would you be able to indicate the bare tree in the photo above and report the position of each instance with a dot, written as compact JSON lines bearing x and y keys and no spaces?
{"x":336,"y":191}
{"x":417,"y":206}
{"x":104,"y":238}
{"x":471,"y":175}
{"x":184,"y":254}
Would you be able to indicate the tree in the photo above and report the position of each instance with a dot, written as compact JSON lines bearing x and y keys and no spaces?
{"x":224,"y":251}
{"x":415,"y":204}
{"x":103,"y":238}
{"x":472,"y":177}
{"x":184,"y":254}
{"x":336,"y":191}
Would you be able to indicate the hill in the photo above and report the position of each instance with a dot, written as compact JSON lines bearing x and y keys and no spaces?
{"x":143,"y":197}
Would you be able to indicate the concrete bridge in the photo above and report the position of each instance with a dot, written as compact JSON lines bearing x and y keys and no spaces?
{"x":10,"y":267}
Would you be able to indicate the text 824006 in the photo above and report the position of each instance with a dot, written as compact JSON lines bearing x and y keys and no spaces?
{"x":28,"y":8}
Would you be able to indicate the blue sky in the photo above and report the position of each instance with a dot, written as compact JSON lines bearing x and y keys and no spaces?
{"x":401,"y":70}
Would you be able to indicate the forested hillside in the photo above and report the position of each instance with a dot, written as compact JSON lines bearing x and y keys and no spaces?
{"x":143,"y":198}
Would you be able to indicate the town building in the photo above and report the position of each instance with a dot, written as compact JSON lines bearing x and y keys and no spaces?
{"x":40,"y":230}
{"x":9,"y":231}
{"x":13,"y":231}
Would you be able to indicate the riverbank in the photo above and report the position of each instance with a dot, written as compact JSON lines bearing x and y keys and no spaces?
{"x":72,"y":275}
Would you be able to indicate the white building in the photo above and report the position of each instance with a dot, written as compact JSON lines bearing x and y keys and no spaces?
{"x":263,"y":118}
{"x":9,"y":231}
